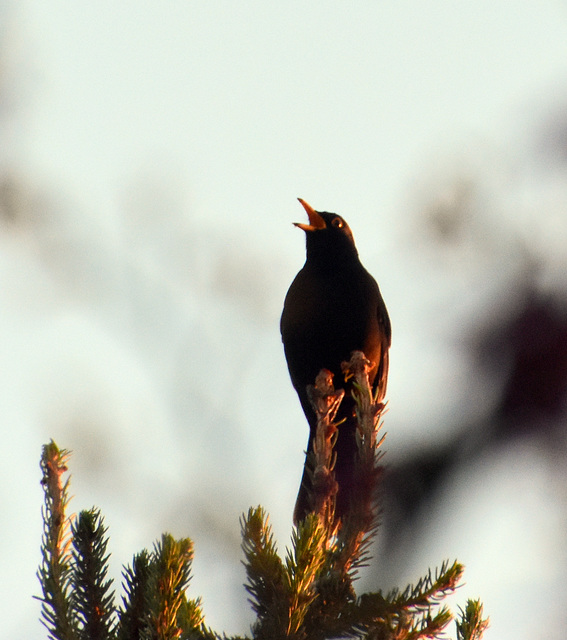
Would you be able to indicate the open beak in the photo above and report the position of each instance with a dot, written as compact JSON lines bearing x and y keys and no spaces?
{"x":315,"y":220}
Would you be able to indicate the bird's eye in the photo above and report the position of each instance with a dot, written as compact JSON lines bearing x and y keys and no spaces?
{"x":337,"y":222}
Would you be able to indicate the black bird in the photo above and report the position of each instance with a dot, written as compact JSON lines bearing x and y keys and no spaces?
{"x":333,"y":307}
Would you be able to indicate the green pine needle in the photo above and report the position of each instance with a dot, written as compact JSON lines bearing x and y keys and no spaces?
{"x":303,"y":566}
{"x":471,"y":625}
{"x":91,"y":598}
{"x":54,"y":572}
{"x":134,"y":611}
{"x":170,"y":615}
{"x":266,"y":574}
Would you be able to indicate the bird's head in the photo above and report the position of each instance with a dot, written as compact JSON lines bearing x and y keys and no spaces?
{"x":327,"y":232}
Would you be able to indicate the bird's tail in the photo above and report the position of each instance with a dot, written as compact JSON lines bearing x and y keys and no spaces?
{"x":303,"y":502}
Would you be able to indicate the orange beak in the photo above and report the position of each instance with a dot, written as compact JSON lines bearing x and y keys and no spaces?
{"x":315,"y":220}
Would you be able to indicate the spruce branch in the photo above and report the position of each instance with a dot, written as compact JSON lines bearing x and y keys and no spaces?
{"x":429,"y":589}
{"x":346,"y":542}
{"x":133,"y":612}
{"x":325,"y":402}
{"x":416,"y":610}
{"x":170,"y":613}
{"x":308,"y":595}
{"x":155,"y":604}
{"x":54,"y":572}
{"x":266,"y":582}
{"x":471,"y":625}
{"x":91,"y":599}
{"x":360,"y":525}
{"x":303,"y":566}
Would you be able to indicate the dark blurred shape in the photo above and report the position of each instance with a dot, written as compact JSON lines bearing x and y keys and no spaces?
{"x":448,"y":216}
{"x":409,"y":486}
{"x":524,"y":354}
{"x":535,"y":342}
{"x":552,"y":136}
{"x":14,"y":200}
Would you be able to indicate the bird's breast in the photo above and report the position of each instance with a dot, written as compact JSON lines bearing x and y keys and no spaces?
{"x":326,"y":317}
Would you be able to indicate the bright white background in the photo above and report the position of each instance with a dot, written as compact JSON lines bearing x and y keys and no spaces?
{"x":151,"y":154}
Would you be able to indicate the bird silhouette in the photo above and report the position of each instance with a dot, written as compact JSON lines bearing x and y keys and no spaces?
{"x":333,"y":307}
